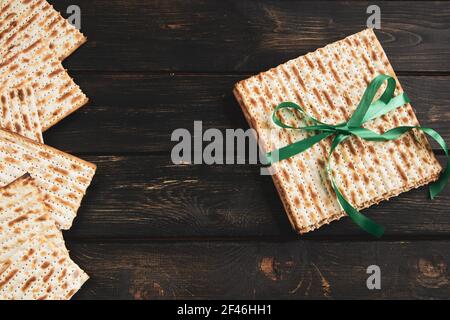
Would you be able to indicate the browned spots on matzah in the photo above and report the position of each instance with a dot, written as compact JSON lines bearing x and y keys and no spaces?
{"x":309,"y":62}
{"x":62,"y":275}
{"x":70,"y":294}
{"x":301,"y":166}
{"x":334,"y":72}
{"x":52,"y":24}
{"x":48,"y":87}
{"x":329,"y":99}
{"x":353,"y":197}
{"x":28,"y":283}
{"x":4,"y":267}
{"x":285,"y":92}
{"x":351,"y":148}
{"x":366,"y":178}
{"x":351,"y":166}
{"x":55,"y":73}
{"x":302,"y":190}
{"x":321,"y":66}
{"x":421,"y":172}
{"x":315,"y":200}
{"x":18,"y":220}
{"x":347,"y":98}
{"x":299,"y":77}
{"x":337,"y":157}
{"x":368,"y":66}
{"x":286,"y":175}
{"x":49,"y":275}
{"x":345,"y":181}
{"x":67,"y":95}
{"x":321,"y":163}
{"x":402,"y":173}
{"x":360,"y":146}
{"x":8,"y":278}
{"x":43,"y":60}
{"x":33,"y":46}
{"x":286,"y":73}
{"x":333,"y":89}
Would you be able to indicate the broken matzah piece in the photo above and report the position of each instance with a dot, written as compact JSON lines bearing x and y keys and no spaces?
{"x":329,"y":84}
{"x":40,"y":270}
{"x":63,"y":179}
{"x":18,"y":113}
{"x":32,"y":63}
{"x":24,"y":215}
{"x":40,"y":18}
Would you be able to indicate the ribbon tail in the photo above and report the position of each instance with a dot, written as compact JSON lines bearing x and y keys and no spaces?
{"x":441,"y":183}
{"x":358,"y":218}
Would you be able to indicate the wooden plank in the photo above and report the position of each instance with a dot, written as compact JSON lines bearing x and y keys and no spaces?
{"x":149,"y":197}
{"x":244,"y":35}
{"x":139,"y":112}
{"x":264,"y":270}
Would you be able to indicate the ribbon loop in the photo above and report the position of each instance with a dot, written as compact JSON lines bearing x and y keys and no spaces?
{"x":367,"y":110}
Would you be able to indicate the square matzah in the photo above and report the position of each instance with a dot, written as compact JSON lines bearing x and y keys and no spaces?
{"x":329,"y":84}
{"x":38,"y":16}
{"x":31,"y":62}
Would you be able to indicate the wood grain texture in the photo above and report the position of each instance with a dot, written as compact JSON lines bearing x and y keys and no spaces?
{"x":247,"y":35}
{"x":149,"y":197}
{"x":138,"y":112}
{"x":263,"y":270}
{"x":149,"y":229}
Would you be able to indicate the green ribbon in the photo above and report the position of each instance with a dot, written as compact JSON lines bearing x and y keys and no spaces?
{"x":367,"y":110}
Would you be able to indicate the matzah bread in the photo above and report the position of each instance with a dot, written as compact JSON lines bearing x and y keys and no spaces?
{"x":63,"y":179}
{"x":32,"y":62}
{"x":329,"y":84}
{"x":24,"y":215}
{"x":18,"y":113}
{"x":39,"y":17}
{"x":40,"y":270}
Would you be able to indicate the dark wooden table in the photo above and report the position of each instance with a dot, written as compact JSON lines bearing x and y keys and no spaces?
{"x":149,"y":229}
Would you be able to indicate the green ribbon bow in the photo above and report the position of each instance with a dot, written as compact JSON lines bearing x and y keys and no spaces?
{"x":365,"y":112}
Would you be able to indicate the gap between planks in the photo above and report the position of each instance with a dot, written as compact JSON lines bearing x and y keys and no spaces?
{"x":230,"y":73}
{"x":263,"y":239}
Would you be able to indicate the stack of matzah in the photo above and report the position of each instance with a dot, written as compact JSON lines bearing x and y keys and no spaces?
{"x":42,"y":187}
{"x":329,"y":84}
